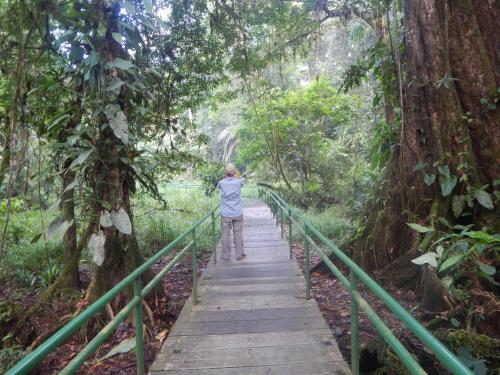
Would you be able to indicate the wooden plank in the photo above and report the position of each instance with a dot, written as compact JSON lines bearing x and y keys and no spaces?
{"x":326,"y":368}
{"x":257,"y":314}
{"x":246,"y":326}
{"x":267,"y":356}
{"x":248,"y":340}
{"x":252,"y":302}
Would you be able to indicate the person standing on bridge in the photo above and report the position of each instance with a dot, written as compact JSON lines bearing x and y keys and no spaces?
{"x":231,"y":212}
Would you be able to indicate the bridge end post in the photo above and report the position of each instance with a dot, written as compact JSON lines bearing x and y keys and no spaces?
{"x":282,"y":220}
{"x":194,"y":256}
{"x":354,"y":325}
{"x":214,"y":239}
{"x":307,"y":262}
{"x":139,"y":334}
{"x":290,"y":237}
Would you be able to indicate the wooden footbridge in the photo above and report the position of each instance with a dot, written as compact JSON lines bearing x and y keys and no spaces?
{"x":252,"y":316}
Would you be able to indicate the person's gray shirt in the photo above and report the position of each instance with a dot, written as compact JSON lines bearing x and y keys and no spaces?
{"x":230,"y":194}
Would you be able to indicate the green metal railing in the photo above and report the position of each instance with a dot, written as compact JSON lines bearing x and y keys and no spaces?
{"x":198,"y":229}
{"x":296,"y":222}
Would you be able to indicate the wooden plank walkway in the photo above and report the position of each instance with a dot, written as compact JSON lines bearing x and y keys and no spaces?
{"x":252,"y":317}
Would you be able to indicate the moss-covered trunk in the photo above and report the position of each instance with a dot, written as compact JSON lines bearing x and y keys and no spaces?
{"x":112,"y":179}
{"x":113,"y":191}
{"x":71,"y":255}
{"x":452,"y":66}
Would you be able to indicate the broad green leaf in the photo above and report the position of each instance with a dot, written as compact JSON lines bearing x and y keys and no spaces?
{"x":57,"y":228}
{"x":70,"y":186}
{"x":36,"y":238}
{"x":483,"y":236}
{"x":105,"y":219}
{"x":484,"y":199}
{"x":58,"y":120}
{"x":428,"y":258}
{"x":419,"y":228}
{"x":457,"y":204}
{"x":448,"y":184}
{"x":419,"y":166}
{"x":117,"y":37}
{"x":465,"y":356}
{"x":117,"y":122}
{"x":487,"y":269}
{"x":123,"y":347}
{"x":450,"y":262}
{"x":121,"y":64}
{"x":80,"y":159}
{"x":121,"y":221}
{"x":429,"y":179}
{"x":447,"y":281}
{"x":444,"y":170}
{"x":55,"y":205}
{"x":96,"y":248}
{"x":443,"y":221}
{"x":115,"y":84}
{"x":439,"y":251}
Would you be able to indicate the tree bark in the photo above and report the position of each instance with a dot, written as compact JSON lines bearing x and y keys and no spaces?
{"x":112,"y":178}
{"x":452,"y":62}
{"x":71,"y":255}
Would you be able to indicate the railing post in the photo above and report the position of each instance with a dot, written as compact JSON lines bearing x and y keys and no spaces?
{"x":307,"y":262}
{"x":277,"y":213}
{"x":139,"y":334}
{"x":282,"y":220}
{"x":194,"y":253}
{"x":290,"y":239}
{"x":214,"y":239}
{"x":354,"y":325}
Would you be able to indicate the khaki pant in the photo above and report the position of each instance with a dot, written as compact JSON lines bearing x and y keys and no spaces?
{"x":237,"y":224}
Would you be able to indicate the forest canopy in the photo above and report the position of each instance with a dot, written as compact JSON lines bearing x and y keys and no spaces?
{"x":379,"y":120}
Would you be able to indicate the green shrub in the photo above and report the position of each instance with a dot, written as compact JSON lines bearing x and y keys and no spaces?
{"x":331,"y":222}
{"x":32,"y":264}
{"x":9,"y":357}
{"x":210,"y":173}
{"x":157,"y":226}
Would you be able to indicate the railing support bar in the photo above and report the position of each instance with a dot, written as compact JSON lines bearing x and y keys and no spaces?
{"x":307,"y":263}
{"x":354,"y":325}
{"x":194,"y":256}
{"x":139,"y":333}
{"x":282,"y":220}
{"x":214,"y":239}
{"x":290,"y":236}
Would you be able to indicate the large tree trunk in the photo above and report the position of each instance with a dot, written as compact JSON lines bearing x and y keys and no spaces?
{"x":112,"y":177}
{"x":71,"y":255}
{"x":7,"y":140}
{"x":121,"y":250}
{"x":452,"y":62}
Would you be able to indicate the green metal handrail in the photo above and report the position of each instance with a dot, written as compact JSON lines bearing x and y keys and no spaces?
{"x":135,"y":305}
{"x":282,"y":210}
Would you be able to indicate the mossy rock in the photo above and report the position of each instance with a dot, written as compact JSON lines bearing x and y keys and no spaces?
{"x":480,"y":346}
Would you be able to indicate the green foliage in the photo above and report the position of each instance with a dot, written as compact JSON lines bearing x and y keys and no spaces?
{"x":332,"y":222}
{"x":10,"y":356}
{"x":31,"y":265}
{"x":210,"y":173}
{"x":157,"y":226}
{"x":479,"y":352}
{"x":317,"y":134}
